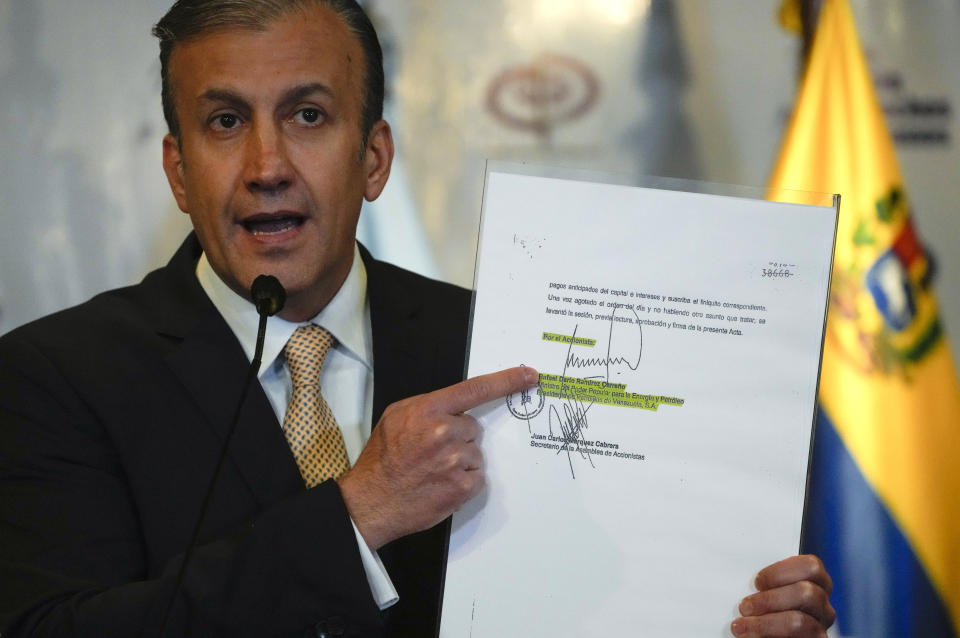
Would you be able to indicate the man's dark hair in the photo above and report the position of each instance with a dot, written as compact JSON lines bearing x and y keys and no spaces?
{"x":189,"y":19}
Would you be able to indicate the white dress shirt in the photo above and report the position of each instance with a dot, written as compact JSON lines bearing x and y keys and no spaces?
{"x":346,"y":378}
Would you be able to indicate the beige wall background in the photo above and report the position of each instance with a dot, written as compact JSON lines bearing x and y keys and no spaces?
{"x":699,"y":89}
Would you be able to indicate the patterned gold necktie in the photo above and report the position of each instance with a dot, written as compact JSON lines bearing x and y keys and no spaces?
{"x":309,"y":426}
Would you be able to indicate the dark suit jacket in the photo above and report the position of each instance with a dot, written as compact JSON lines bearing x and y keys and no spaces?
{"x":111,"y":418}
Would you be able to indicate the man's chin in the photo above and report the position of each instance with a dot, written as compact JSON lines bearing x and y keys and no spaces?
{"x":304,"y":299}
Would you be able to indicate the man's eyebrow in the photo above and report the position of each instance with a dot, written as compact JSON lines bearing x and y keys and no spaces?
{"x":225,"y":96}
{"x":297,"y":93}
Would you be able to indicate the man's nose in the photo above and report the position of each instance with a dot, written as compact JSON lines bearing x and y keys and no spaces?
{"x":268,"y":169}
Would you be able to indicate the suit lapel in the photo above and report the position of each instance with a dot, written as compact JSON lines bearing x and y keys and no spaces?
{"x":210,"y":364}
{"x":404,"y":354}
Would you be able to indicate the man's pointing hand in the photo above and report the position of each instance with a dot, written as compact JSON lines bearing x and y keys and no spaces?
{"x":423,"y":461}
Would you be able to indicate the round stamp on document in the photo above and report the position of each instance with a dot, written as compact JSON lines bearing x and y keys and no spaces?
{"x":525,"y":405}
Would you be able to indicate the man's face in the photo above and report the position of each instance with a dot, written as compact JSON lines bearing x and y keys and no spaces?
{"x":270,"y":166}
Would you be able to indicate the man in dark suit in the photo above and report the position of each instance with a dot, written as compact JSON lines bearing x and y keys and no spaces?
{"x":112,"y":413}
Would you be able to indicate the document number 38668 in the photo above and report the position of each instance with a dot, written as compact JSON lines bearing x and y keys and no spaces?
{"x":777,"y":272}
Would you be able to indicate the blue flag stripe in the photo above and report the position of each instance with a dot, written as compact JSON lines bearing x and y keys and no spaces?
{"x":880,"y":588}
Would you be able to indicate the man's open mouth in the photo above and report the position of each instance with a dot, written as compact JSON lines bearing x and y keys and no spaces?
{"x":272,"y":224}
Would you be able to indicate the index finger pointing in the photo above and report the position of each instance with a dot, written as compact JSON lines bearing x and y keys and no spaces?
{"x":476,"y":391}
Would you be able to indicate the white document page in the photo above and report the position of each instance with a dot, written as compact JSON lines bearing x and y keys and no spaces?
{"x":663,"y":460}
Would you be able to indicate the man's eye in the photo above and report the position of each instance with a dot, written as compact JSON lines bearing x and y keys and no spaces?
{"x":225,"y":122}
{"x":309,"y":116}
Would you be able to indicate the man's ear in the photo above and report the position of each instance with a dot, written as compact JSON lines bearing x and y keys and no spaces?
{"x":173,"y":167}
{"x":377,"y":159}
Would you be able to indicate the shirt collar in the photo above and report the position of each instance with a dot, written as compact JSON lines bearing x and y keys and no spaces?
{"x":345,"y":316}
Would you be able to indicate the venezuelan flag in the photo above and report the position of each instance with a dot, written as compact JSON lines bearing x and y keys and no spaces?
{"x":884,"y":510}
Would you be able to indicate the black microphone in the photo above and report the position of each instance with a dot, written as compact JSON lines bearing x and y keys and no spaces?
{"x":268,"y":296}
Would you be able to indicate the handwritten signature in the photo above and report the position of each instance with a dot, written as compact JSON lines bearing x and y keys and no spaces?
{"x":573,"y":421}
